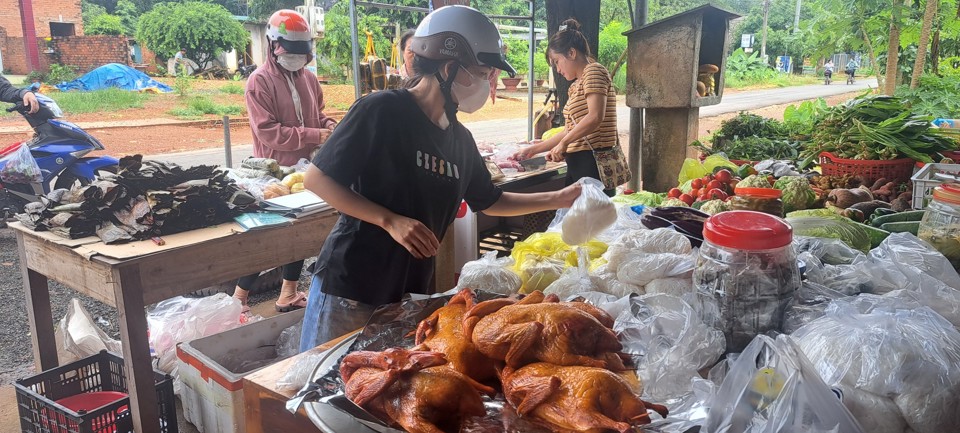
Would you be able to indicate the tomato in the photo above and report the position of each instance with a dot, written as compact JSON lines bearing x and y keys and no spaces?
{"x":714,"y":184}
{"x":628,"y":191}
{"x":687,"y":198}
{"x":696,"y":184}
{"x":703,"y":197}
{"x":717,"y":194}
{"x":695,"y":192}
{"x":706,"y":179}
{"x":724,"y":176}
{"x":674,"y":192}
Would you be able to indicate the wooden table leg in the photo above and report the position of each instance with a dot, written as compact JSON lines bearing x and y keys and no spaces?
{"x":141,"y":384}
{"x":38,"y":313}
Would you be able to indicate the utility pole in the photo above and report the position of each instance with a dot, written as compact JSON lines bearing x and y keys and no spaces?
{"x":796,"y":18}
{"x":763,"y":37}
{"x":635,"y":139}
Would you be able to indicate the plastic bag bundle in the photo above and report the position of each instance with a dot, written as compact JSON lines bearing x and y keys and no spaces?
{"x":300,"y":372}
{"x":627,"y":221}
{"x":641,"y":269}
{"x":638,"y":242}
{"x":182,"y":319}
{"x":828,"y":251}
{"x":592,"y":213}
{"x":490,"y":274}
{"x":258,"y":186}
{"x":881,"y":346}
{"x":676,"y":286}
{"x":773,"y":388}
{"x":668,"y":340}
{"x":79,"y":337}
{"x":575,"y":281}
{"x":613,"y":285}
{"x":809,"y":302}
{"x":549,"y":244}
{"x":18,"y":166}
{"x":538,"y":272}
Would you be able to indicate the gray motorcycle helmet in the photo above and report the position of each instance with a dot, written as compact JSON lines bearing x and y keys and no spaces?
{"x":463,"y":34}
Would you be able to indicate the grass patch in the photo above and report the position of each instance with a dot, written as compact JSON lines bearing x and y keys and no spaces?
{"x":769,"y":81}
{"x":106,"y":100}
{"x":232,"y":89}
{"x":200,"y":105}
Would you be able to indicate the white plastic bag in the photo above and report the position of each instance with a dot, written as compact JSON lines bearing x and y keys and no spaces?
{"x":613,"y":286}
{"x":590,"y":215}
{"x":880,"y":345}
{"x":675,"y":286}
{"x":300,"y":371}
{"x":641,"y":269}
{"x":639,"y":242}
{"x":80,"y":337}
{"x":575,"y":281}
{"x":773,"y":388}
{"x":180,"y":319}
{"x":490,"y":274}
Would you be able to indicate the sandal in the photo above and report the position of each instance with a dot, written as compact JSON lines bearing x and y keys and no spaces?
{"x":299,"y":302}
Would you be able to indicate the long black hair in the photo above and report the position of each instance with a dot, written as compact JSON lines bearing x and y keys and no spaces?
{"x":568,"y":37}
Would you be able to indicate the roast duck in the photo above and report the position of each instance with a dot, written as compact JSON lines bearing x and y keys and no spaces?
{"x":557,"y":363}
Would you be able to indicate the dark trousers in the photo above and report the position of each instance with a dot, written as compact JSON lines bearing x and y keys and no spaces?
{"x":291,"y":272}
{"x":583,"y":164}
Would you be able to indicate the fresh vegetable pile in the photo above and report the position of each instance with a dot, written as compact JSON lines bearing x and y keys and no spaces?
{"x":750,"y":137}
{"x":875,"y":128}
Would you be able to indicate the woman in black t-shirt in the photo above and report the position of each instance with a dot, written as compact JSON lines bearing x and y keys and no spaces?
{"x":397,"y":168}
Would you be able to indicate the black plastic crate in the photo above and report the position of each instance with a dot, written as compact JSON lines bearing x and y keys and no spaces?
{"x":39,"y":412}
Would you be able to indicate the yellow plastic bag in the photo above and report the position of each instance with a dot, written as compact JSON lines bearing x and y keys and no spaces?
{"x":552,"y":132}
{"x":693,"y":169}
{"x":542,"y":257}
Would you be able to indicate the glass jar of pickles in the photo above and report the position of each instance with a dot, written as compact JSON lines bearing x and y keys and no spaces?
{"x":766,"y":200}
{"x":940,"y":226}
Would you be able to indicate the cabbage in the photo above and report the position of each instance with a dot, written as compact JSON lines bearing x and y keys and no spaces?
{"x":754,"y":181}
{"x":797,"y":193}
{"x":645,"y":198}
{"x":832,"y":228}
{"x":714,"y":207}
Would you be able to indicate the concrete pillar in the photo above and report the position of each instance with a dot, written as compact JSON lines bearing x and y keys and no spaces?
{"x":666,"y":134}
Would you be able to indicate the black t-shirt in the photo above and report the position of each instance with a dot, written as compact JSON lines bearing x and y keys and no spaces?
{"x":388,"y":151}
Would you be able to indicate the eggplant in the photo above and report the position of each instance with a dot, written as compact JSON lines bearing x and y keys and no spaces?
{"x":654,"y":222}
{"x":680,"y":213}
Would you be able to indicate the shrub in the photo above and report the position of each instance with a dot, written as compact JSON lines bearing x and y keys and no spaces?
{"x":61,"y":73}
{"x":232,"y":89}
{"x":203,"y":29}
{"x":105,"y":24}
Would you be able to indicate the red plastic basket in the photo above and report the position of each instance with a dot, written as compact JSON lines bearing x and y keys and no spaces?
{"x":897,"y":170}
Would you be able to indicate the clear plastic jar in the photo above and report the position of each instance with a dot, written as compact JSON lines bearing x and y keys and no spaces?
{"x":746,"y":274}
{"x":940,"y":226}
{"x":766,"y":200}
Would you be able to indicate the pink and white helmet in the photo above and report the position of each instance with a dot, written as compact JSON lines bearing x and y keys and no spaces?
{"x":292,"y":31}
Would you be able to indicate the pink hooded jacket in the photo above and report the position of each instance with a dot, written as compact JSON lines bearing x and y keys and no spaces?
{"x":277,"y":132}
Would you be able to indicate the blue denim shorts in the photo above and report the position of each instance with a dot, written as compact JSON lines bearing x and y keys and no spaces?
{"x":328,"y":317}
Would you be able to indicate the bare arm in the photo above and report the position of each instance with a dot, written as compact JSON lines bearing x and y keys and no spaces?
{"x":412,"y":234}
{"x":513,"y":204}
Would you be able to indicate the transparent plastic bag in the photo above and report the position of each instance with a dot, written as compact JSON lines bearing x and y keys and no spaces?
{"x":637,"y":242}
{"x":256,"y":185}
{"x":78,"y":336}
{"x":773,"y":388}
{"x":592,"y":213}
{"x":667,"y":340}
{"x":490,"y":274}
{"x":288,"y":344}
{"x":829,"y":251}
{"x":809,"y":302}
{"x":538,"y":272}
{"x":300,"y":371}
{"x":575,"y":281}
{"x":612,"y":285}
{"x":18,"y":166}
{"x":886,"y":347}
{"x":627,"y":221}
{"x":180,"y":319}
{"x":676,"y":286}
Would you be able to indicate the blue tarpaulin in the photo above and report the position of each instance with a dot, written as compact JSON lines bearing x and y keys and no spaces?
{"x":114,"y":75}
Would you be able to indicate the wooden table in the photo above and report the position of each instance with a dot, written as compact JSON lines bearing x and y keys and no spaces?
{"x":160,"y":273}
{"x":262,"y":400}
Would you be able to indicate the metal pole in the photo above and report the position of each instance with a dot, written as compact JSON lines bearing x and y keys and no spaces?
{"x":227,"y":150}
{"x":763,"y":37}
{"x":354,"y":52}
{"x":530,"y":81}
{"x":796,"y":18}
{"x":636,"y":114}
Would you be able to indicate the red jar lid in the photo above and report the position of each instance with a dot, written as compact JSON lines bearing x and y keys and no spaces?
{"x":747,"y":230}
{"x":948,"y":193}
{"x":759,"y":192}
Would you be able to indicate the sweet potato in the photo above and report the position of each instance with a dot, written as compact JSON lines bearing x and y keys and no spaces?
{"x":868,"y":207}
{"x":844,"y":198}
{"x":901,"y":205}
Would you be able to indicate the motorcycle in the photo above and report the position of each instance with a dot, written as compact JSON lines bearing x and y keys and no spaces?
{"x":827,"y":76}
{"x":59,"y":148}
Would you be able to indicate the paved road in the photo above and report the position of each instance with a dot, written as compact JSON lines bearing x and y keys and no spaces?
{"x":514,"y":129}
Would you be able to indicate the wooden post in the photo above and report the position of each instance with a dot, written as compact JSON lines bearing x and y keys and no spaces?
{"x":587,"y":12}
{"x":138,"y":369}
{"x":38,"y":313}
{"x":671,"y":129}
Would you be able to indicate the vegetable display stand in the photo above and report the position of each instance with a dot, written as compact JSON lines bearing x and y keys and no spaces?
{"x":896,"y":170}
{"x":667,"y":61}
{"x":925,"y":180}
{"x":88,"y":396}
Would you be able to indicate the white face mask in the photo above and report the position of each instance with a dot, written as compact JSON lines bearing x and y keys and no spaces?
{"x":470,"y":98}
{"x":292,"y":62}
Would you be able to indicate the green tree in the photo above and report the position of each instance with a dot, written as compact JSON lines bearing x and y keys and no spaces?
{"x":89,"y":11}
{"x":129,"y":15}
{"x":334,"y":49}
{"x":850,"y":26}
{"x":105,"y":24}
{"x":205,"y":30}
{"x":262,"y":9}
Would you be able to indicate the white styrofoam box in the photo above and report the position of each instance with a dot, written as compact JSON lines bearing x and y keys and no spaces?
{"x":212,"y":394}
{"x":924,"y":182}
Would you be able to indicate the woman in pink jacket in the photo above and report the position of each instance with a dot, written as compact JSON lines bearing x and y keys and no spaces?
{"x":285,"y":105}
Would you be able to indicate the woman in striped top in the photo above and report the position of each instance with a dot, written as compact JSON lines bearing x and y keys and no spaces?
{"x":590,"y":114}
